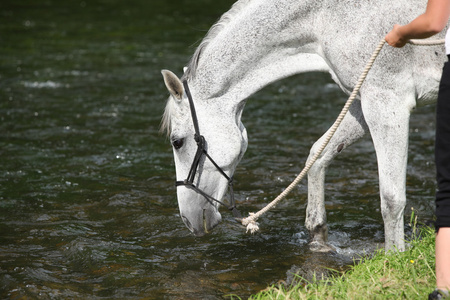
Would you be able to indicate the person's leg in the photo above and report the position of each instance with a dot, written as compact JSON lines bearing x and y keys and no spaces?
{"x":442,"y":156}
{"x":443,"y":258}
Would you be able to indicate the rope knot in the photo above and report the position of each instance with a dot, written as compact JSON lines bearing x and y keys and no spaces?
{"x":252,"y":227}
{"x":251,"y":224}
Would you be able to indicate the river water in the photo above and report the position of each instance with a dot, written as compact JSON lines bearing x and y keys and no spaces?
{"x":87,"y":196}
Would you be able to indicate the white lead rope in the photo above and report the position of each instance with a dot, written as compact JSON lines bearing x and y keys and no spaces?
{"x":426,"y":42}
{"x":250,"y":221}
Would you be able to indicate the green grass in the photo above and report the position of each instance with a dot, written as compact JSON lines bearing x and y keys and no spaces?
{"x":392,"y":275}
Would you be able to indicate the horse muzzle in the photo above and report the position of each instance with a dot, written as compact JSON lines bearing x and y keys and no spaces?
{"x":201,"y":221}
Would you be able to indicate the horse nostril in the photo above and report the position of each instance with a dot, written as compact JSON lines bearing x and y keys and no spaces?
{"x":187,"y":223}
{"x":205,"y":225}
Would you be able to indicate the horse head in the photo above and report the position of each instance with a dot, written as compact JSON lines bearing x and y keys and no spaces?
{"x":208,"y":141}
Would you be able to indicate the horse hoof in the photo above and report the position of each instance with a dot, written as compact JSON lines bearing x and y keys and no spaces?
{"x":321,"y":247}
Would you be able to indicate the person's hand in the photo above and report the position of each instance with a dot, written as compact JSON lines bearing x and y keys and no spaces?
{"x":394,"y":37}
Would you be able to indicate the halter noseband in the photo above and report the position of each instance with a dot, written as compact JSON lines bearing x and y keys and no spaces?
{"x":200,"y":140}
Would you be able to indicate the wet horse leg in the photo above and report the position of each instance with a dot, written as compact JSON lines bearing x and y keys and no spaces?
{"x":352,"y":128}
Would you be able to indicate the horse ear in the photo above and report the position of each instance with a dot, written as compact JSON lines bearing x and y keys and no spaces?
{"x":173,"y":84}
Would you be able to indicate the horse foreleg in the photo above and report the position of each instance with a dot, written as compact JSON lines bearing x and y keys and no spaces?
{"x":388,"y":123}
{"x":352,"y":128}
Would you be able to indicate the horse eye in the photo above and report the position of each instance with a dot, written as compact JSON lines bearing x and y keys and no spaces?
{"x":177,"y":144}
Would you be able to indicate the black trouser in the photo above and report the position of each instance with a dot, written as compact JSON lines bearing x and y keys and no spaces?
{"x":442,"y":150}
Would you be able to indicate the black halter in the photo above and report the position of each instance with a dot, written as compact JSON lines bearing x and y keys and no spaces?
{"x":200,"y":140}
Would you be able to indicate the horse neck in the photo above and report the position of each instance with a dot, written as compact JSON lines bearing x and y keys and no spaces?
{"x":265,"y":41}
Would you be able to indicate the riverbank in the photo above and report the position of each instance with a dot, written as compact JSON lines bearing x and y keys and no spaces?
{"x":406,"y":275}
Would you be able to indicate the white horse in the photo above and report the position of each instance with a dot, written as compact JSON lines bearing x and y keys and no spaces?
{"x":258,"y":42}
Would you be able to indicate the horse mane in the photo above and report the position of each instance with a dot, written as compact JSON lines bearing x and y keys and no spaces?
{"x":212,"y":33}
{"x":193,"y":63}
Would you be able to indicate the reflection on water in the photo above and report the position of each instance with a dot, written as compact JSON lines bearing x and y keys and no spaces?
{"x":87,"y":200}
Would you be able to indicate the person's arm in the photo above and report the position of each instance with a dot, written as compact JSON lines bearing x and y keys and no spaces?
{"x":428,"y":24}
